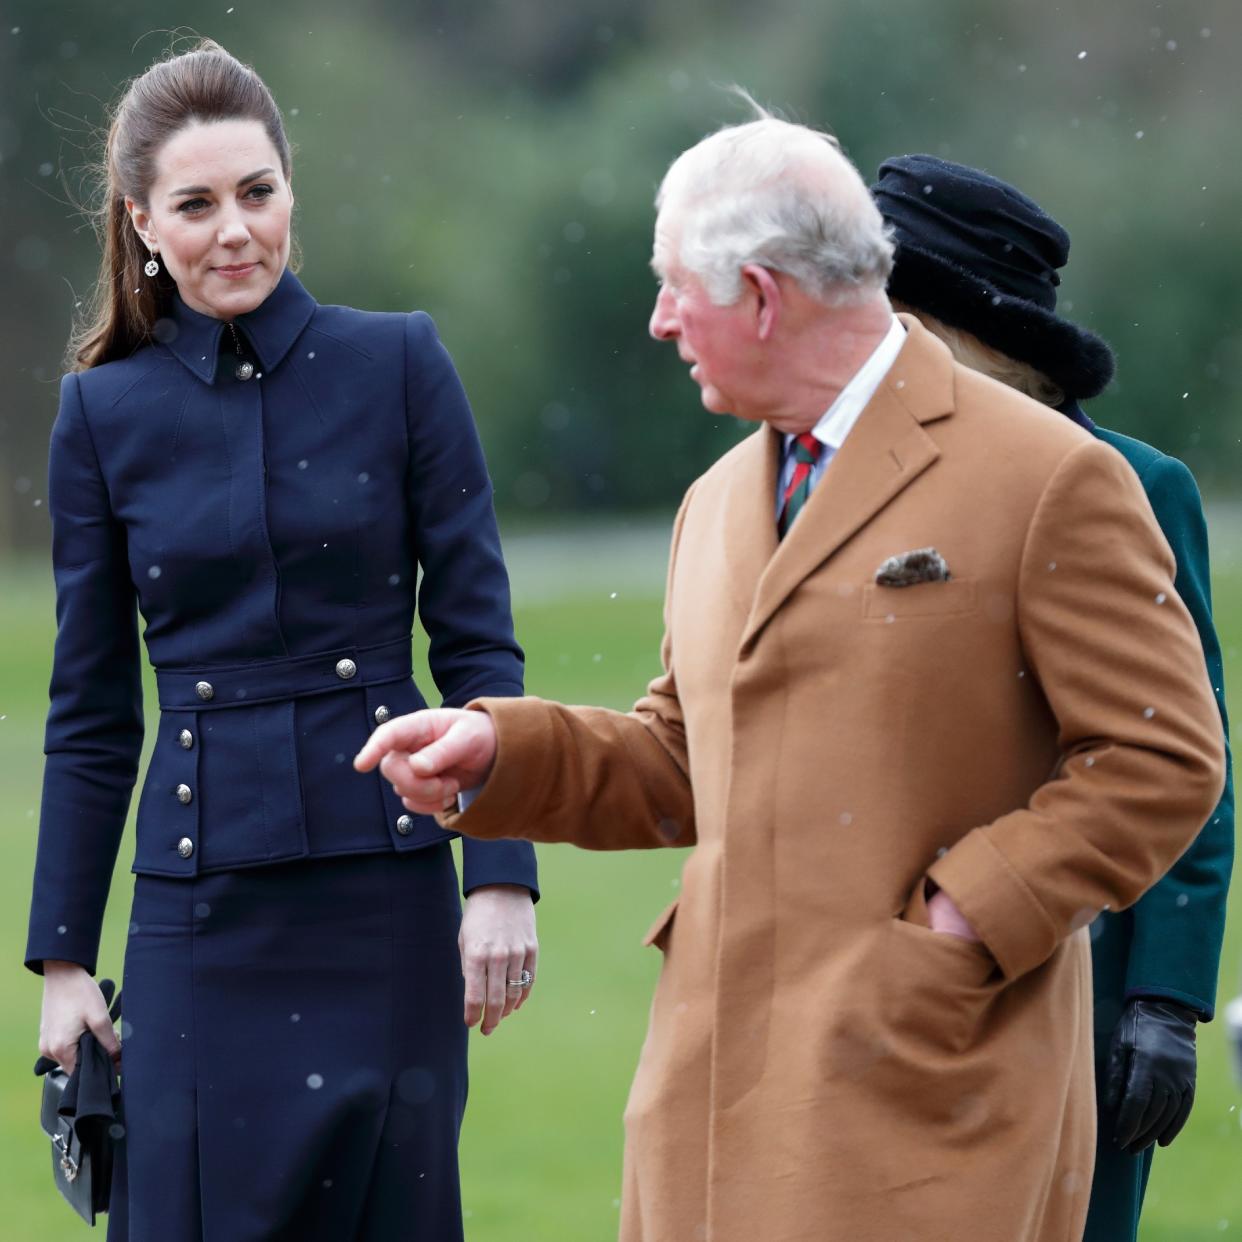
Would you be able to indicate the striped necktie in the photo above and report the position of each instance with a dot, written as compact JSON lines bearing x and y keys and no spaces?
{"x":806,"y":451}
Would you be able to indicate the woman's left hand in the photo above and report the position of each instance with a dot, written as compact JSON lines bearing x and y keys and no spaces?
{"x":497,"y":944}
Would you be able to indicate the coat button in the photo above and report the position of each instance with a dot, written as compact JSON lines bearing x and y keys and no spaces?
{"x":204,"y":690}
{"x":184,"y":794}
{"x":382,"y":714}
{"x":405,"y":825}
{"x":345,"y":669}
{"x":244,"y":370}
{"x":185,"y":847}
{"x":186,"y":738}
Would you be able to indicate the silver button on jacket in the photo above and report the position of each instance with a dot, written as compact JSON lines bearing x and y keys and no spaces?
{"x":345,"y":669}
{"x":204,"y":690}
{"x":184,"y":794}
{"x":382,"y":714}
{"x":186,"y":738}
{"x":185,"y":847}
{"x":405,"y":825}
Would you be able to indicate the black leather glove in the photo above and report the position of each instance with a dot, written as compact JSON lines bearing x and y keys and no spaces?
{"x":1151,"y":1073}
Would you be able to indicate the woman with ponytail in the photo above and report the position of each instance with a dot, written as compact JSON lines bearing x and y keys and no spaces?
{"x":262,"y":478}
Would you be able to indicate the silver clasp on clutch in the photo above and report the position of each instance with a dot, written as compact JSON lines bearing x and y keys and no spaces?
{"x":68,"y":1166}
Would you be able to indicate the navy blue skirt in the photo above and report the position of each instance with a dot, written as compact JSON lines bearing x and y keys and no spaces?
{"x":294,"y":1055}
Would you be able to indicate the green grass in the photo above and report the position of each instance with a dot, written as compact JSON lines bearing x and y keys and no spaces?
{"x":541,"y":1155}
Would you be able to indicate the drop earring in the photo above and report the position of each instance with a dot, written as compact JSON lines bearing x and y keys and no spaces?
{"x":151,"y":266}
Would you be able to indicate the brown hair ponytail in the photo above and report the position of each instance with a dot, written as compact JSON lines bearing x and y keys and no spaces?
{"x":202,"y":85}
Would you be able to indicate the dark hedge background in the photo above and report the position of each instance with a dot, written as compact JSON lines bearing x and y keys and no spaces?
{"x":494,"y":163}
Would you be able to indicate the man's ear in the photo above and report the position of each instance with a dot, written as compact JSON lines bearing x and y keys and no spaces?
{"x":140,"y":217}
{"x":763,"y":285}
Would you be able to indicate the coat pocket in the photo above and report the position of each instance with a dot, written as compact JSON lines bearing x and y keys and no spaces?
{"x":936,"y":989}
{"x":662,"y":928}
{"x":926,"y":599}
{"x":251,"y":793}
{"x":224,"y":785}
{"x":915,"y":922}
{"x":937,"y":986}
{"x":952,"y":960}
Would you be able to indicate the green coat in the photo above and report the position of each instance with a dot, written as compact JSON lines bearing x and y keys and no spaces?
{"x":1168,"y":943}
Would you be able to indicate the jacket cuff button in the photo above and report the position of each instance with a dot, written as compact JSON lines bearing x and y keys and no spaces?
{"x":405,"y":825}
{"x":345,"y":669}
{"x":204,"y":690}
{"x":382,"y":714}
{"x":185,"y":847}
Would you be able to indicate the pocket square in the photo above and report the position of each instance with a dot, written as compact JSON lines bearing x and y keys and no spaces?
{"x":910,"y":568}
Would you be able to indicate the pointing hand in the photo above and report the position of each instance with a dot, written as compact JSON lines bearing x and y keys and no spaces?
{"x":429,"y":757}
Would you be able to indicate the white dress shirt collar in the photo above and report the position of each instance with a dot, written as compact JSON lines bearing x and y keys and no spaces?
{"x":843,"y":413}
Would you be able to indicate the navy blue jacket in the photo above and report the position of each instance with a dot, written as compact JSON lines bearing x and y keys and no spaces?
{"x":270,"y":531}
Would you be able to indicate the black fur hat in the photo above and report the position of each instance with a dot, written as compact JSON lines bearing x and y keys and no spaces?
{"x":981,"y":256}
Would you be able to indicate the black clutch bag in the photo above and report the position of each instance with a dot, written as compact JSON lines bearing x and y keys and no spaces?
{"x":81,"y":1115}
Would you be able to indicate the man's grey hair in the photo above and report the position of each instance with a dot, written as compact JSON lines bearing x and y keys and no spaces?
{"x":782,"y":196}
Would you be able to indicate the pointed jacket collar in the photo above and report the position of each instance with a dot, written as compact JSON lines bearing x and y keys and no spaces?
{"x":888,"y":448}
{"x":271,"y":328}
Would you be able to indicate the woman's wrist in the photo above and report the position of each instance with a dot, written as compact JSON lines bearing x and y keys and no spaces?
{"x":56,"y":967}
{"x":520,"y":890}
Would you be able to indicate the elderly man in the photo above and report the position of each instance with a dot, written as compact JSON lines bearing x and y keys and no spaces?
{"x":929,"y":704}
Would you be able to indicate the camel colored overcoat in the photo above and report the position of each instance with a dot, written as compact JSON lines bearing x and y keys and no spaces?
{"x":1036,"y":734}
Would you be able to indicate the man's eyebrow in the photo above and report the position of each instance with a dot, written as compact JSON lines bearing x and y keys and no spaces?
{"x":206,"y":189}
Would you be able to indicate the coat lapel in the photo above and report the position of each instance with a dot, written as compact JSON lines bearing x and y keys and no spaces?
{"x":884,"y":453}
{"x":750,"y":514}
